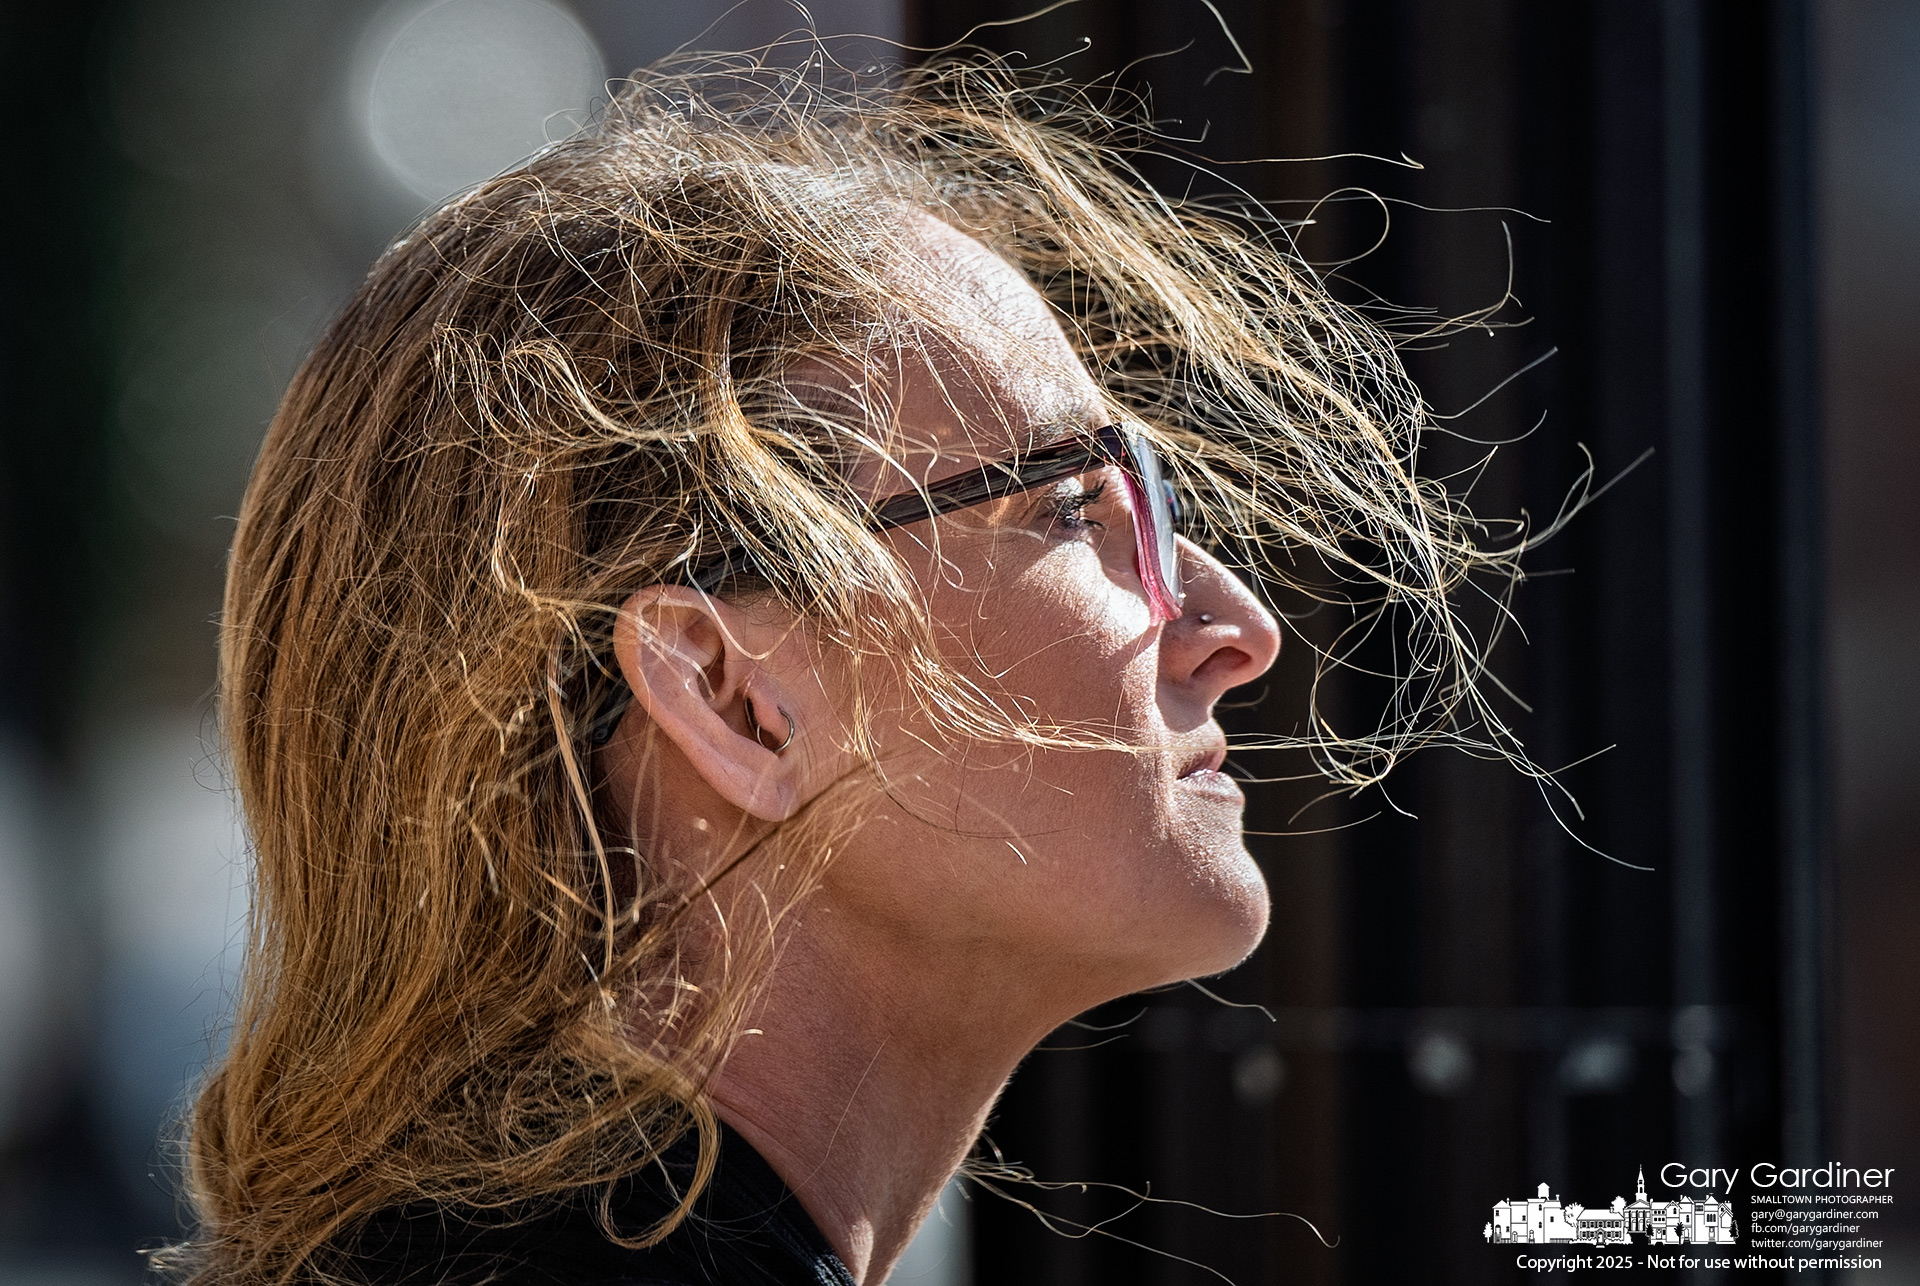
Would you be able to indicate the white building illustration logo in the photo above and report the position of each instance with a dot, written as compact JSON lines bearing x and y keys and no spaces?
{"x":1542,"y":1220}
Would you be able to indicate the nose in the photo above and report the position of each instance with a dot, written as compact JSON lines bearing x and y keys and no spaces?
{"x":1223,"y":636}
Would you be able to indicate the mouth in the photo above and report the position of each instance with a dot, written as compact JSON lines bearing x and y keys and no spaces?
{"x":1204,"y":761}
{"x":1201,"y":776}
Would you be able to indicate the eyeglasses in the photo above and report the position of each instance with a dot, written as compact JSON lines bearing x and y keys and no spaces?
{"x":1156,"y":510}
{"x":1156,"y":518}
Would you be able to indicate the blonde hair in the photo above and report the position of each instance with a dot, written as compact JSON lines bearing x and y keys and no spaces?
{"x":565,"y":385}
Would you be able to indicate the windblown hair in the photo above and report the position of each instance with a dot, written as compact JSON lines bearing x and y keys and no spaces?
{"x":567,"y":384}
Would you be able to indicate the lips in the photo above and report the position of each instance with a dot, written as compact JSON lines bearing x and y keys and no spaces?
{"x":1200,"y":774}
{"x":1208,"y":760}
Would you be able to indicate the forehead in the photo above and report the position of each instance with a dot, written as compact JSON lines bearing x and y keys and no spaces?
{"x":985,"y":369}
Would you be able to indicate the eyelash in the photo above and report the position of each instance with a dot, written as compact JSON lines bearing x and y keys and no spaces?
{"x":1069,"y":511}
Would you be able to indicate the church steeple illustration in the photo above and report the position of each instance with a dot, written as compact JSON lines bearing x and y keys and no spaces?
{"x":1543,"y":1219}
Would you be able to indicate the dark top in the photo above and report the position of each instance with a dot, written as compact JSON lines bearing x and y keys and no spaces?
{"x":746,"y":1229}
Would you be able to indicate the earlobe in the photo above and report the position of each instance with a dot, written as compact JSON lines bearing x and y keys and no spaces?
{"x":679,"y":651}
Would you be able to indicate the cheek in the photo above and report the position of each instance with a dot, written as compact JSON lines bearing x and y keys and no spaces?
{"x":1075,"y":648}
{"x":1055,"y":641}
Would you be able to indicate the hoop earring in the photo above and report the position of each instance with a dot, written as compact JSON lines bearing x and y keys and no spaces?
{"x":759,"y":733}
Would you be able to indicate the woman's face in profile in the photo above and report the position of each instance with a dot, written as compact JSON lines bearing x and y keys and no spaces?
{"x":1121,"y":869}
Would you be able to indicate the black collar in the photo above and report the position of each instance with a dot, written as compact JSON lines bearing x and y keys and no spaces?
{"x":746,"y":1229}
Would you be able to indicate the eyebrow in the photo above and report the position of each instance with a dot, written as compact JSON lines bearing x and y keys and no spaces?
{"x":1085,"y":419}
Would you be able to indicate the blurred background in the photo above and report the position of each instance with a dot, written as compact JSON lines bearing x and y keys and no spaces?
{"x":1709,"y":217}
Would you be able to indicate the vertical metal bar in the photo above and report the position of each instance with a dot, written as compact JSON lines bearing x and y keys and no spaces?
{"x":1689,"y":579}
{"x":1802,"y":900}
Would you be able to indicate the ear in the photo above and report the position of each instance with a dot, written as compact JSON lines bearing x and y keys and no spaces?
{"x":681,"y":653}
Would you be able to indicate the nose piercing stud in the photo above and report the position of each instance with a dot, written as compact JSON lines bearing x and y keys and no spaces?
{"x":1206,"y":618}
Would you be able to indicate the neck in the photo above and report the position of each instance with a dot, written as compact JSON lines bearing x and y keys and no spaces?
{"x":867,"y":1083}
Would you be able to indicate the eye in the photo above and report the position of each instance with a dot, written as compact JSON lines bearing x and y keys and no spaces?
{"x":1069,"y":512}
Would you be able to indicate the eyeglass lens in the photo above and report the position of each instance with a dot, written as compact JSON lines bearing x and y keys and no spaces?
{"x":1158,"y":553}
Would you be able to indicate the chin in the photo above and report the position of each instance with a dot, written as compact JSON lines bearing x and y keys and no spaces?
{"x":1224,"y":918}
{"x":1243,"y":921}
